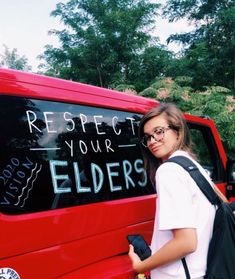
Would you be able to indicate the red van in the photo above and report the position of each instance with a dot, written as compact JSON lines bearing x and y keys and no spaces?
{"x":72,"y":180}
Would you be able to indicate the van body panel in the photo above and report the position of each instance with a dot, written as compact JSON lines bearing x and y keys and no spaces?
{"x":86,"y":240}
{"x":76,"y":255}
{"x":119,"y":268}
{"x":55,"y":227}
{"x":40,"y":87}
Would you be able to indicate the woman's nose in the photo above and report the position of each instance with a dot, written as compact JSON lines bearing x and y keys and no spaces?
{"x":152,"y":139}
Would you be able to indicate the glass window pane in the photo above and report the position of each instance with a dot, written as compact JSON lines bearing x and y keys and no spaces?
{"x":56,"y":155}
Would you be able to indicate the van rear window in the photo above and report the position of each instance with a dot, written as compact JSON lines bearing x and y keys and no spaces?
{"x":56,"y":155}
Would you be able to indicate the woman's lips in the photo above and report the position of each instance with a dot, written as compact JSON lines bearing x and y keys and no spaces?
{"x":155,"y":148}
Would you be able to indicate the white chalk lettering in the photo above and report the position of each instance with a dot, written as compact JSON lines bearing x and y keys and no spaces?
{"x":97,"y":124}
{"x":112,"y":174}
{"x":127,"y":168}
{"x":112,"y":171}
{"x":108,"y":144}
{"x":132,"y":125}
{"x":48,"y":122}
{"x":83,"y":147}
{"x":55,"y":177}
{"x":70,"y":146}
{"x":79,"y":187}
{"x":141,"y":170}
{"x":28,"y":164}
{"x":83,"y":121}
{"x":114,"y":122}
{"x":97,"y":181}
{"x":5,"y":201}
{"x":31,"y":121}
{"x":70,"y":120}
{"x":97,"y":149}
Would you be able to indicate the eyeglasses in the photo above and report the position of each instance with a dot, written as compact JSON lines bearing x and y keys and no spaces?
{"x":157,"y":135}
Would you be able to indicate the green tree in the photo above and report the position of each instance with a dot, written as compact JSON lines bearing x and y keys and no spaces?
{"x":210,"y":48}
{"x":100,"y":41}
{"x":154,"y":61}
{"x":11,"y":59}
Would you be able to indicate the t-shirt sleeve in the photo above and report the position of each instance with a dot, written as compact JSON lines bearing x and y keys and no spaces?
{"x":175,"y":198}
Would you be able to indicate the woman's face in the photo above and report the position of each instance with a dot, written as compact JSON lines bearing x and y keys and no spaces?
{"x":160,"y":139}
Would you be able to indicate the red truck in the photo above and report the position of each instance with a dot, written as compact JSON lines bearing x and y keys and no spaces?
{"x":72,"y":180}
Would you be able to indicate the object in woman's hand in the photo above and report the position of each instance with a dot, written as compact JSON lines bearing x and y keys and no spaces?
{"x":141,"y":247}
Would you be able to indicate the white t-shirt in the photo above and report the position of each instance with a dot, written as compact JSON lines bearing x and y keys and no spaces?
{"x":181,"y":204}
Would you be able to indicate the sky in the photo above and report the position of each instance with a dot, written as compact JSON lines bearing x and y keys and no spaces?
{"x":24,"y":25}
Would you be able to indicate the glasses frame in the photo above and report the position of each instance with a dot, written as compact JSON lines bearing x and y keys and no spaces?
{"x":154,"y":135}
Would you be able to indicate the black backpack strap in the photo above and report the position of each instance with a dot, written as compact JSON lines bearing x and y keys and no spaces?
{"x":200,"y":180}
{"x":202,"y":183}
{"x":186,"y":269}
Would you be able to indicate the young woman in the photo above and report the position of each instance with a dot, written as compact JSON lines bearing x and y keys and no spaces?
{"x":184,"y":217}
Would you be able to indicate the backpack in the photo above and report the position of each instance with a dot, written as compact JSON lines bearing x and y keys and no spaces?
{"x":221,"y":253}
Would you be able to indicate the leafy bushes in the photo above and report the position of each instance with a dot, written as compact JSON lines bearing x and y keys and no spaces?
{"x":149,"y":92}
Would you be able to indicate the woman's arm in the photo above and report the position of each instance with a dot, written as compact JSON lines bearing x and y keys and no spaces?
{"x":184,"y":242}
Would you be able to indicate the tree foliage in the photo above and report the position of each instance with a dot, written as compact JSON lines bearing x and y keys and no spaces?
{"x":211,"y":46}
{"x":11,"y":59}
{"x":154,"y":61}
{"x":108,"y":43}
{"x":102,"y":39}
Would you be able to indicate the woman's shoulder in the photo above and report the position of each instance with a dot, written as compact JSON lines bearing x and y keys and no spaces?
{"x":174,"y":168}
{"x":177,"y":169}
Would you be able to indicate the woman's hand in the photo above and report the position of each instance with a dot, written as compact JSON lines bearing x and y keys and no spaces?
{"x":184,"y":242}
{"x":136,"y":261}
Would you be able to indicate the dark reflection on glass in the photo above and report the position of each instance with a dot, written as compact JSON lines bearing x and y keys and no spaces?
{"x":56,"y":155}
